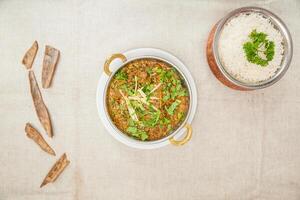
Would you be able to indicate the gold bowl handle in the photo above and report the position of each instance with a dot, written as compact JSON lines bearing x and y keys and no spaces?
{"x":186,"y":138}
{"x":109,"y":60}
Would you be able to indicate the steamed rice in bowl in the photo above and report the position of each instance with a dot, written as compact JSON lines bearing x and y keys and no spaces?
{"x":250,"y":48}
{"x":235,"y":34}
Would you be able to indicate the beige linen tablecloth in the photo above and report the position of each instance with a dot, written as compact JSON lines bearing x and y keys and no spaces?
{"x":246,"y":145}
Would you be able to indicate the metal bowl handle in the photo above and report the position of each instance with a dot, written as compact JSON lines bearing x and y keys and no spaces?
{"x":109,"y":60}
{"x":186,"y":138}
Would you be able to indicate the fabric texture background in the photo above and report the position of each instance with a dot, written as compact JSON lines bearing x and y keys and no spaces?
{"x":245,"y":145}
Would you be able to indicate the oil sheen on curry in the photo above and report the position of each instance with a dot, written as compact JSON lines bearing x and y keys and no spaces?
{"x":147,"y":99}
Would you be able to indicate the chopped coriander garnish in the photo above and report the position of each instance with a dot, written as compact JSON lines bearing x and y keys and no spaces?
{"x":153,"y":120}
{"x":120,"y":75}
{"x":180,"y":115}
{"x":132,"y":130}
{"x":165,"y":121}
{"x":147,"y":88}
{"x":169,"y":127}
{"x":143,"y":135}
{"x":128,"y":90}
{"x":166,"y":97}
{"x":259,"y":50}
{"x":172,"y":107}
{"x":131,"y":122}
{"x":149,"y":70}
{"x":135,"y":132}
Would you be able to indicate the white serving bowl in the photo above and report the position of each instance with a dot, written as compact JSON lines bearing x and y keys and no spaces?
{"x":115,"y":62}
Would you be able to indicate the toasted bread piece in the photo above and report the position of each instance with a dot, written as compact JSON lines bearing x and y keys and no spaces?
{"x":40,"y":107}
{"x":30,"y":55}
{"x":56,"y":170}
{"x":51,"y":58}
{"x":33,"y":134}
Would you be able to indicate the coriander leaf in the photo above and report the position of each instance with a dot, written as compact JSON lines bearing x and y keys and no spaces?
{"x":180,"y":116}
{"x":143,"y":135}
{"x":120,"y":75}
{"x":137,"y":105}
{"x":165,"y":121}
{"x":137,"y":133}
{"x":149,"y":70}
{"x":131,"y":122}
{"x":172,"y":107}
{"x":128,"y":90}
{"x":259,"y":44}
{"x":169,"y":127}
{"x":148,"y":88}
{"x":182,"y":93}
{"x":153,"y":120}
{"x":166,"y":97}
{"x":159,"y":70}
{"x":270,"y":50}
{"x":132,"y":130}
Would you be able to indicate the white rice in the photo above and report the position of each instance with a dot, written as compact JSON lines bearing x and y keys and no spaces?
{"x":235,"y":33}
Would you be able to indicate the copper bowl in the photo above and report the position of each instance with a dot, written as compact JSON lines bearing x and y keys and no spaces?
{"x":218,"y":69}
